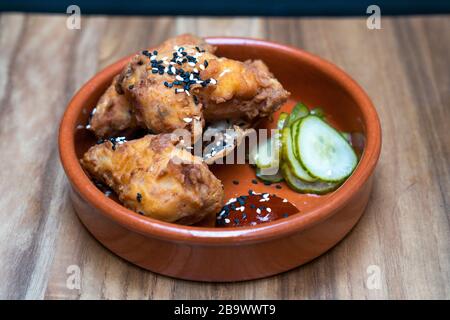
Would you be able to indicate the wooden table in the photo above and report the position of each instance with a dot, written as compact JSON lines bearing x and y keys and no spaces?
{"x":405,"y":231}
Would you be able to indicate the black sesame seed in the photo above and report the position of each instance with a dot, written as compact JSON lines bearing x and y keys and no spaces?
{"x":154,"y":71}
{"x":285,"y":215}
{"x":250,"y":191}
{"x":236,"y":220}
{"x":131,"y":86}
{"x":205,"y":63}
{"x":145,"y":52}
{"x":278,"y":186}
{"x":166,"y":84}
{"x":254,"y":181}
{"x":252,"y":206}
{"x":195,"y":100}
{"x":138,"y":197}
{"x":244,"y":216}
{"x":141,"y":213}
{"x":155,"y":52}
{"x":161,"y":71}
{"x":235,"y":182}
{"x":100,"y":141}
{"x":267,"y":183}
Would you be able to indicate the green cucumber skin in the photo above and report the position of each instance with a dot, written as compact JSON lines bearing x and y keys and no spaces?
{"x":317,"y":187}
{"x":282,"y":120}
{"x":300,"y":110}
{"x":289,"y":158}
{"x":338,"y":134}
{"x":318,"y":112}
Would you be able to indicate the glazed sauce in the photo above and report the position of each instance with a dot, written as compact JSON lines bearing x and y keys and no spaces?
{"x":254,"y":209}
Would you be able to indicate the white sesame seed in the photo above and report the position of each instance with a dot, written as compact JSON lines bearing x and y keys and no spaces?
{"x":285,"y":200}
{"x":173,"y":69}
{"x":179,"y":78}
{"x":192,"y":64}
{"x":80,"y":126}
{"x":187,"y":92}
{"x":213,"y":81}
{"x":227,"y":220}
{"x":195,"y":70}
{"x":94,"y":111}
{"x":202,"y":67}
{"x":176,"y":48}
{"x":152,"y":58}
{"x":188,"y":120}
{"x":179,"y":90}
{"x":231,"y":201}
{"x":88,"y":126}
{"x":269,"y":210}
{"x":258,"y":211}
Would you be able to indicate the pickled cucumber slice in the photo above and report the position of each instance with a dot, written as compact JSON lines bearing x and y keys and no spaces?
{"x":289,"y":157}
{"x":317,"y":187}
{"x":323,"y":151}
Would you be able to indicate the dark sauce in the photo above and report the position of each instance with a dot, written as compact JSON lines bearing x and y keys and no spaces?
{"x":254,"y":209}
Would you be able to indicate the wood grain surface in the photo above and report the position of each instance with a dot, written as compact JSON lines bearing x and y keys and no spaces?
{"x":405,"y":232}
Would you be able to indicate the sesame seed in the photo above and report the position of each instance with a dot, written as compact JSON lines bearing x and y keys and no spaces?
{"x":213,"y":81}
{"x":202,"y":67}
{"x":179,"y":78}
{"x":227,"y":220}
{"x":188,"y":120}
{"x":258,"y":211}
{"x":205,"y":63}
{"x":269,"y":210}
{"x":179,"y":90}
{"x":139,"y":197}
{"x":254,"y":181}
{"x":235,"y":182}
{"x":192,"y":64}
{"x":285,"y":200}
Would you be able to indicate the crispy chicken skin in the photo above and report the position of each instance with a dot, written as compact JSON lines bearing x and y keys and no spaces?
{"x":159,"y":107}
{"x":154,"y":177}
{"x":245,"y":90}
{"x":113,"y":113}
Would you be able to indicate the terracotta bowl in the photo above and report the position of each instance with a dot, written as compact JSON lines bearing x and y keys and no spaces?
{"x":242,"y":253}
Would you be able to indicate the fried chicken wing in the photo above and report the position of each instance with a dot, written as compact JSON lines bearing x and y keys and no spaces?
{"x":112,"y":114}
{"x":158,"y":85}
{"x":181,"y":84}
{"x":154,"y":177}
{"x":244,"y":90}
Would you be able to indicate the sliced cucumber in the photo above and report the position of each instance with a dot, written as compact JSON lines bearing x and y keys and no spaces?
{"x":269,"y":178}
{"x":289,"y":156}
{"x":323,"y":151}
{"x":294,"y":134}
{"x":317,"y":187}
{"x":268,"y":155}
{"x":281,"y":120}
{"x":300,"y":110}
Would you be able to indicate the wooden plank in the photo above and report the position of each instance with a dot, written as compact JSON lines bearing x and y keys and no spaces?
{"x":405,"y":230}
